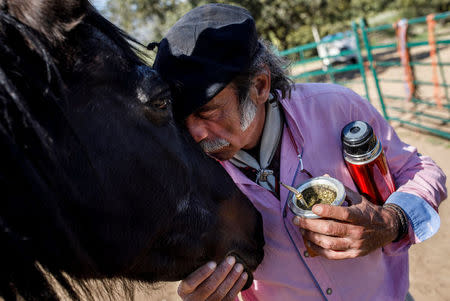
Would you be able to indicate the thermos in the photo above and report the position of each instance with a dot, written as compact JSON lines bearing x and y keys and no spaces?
{"x":366,"y":162}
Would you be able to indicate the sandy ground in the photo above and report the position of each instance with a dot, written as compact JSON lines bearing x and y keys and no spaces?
{"x":429,"y":263}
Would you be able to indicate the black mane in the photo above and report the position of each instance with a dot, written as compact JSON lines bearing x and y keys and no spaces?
{"x":132,"y":49}
{"x":28,"y":70}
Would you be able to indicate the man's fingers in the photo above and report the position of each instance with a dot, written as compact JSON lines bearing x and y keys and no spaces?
{"x":322,"y":226}
{"x":236,"y":288}
{"x":227,"y":284}
{"x":209,"y":286}
{"x":202,"y":283}
{"x":346,"y":214}
{"x":327,"y":242}
{"x":334,"y":255}
{"x":191,"y":282}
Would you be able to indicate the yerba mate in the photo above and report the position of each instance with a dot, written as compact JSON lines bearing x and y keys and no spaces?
{"x":325,"y":190}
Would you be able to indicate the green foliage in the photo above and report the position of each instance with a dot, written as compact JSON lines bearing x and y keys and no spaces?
{"x":286,"y":23}
{"x":415,"y":8}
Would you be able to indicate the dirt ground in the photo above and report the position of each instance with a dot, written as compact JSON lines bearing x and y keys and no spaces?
{"x":429,"y":263}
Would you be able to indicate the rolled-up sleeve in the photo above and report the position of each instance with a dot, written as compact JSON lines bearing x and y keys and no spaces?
{"x":420,"y":182}
{"x":423,"y":218}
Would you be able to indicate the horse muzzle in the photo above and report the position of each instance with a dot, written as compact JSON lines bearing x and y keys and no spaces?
{"x":250,"y":265}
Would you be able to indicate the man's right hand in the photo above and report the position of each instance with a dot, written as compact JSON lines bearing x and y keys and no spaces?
{"x":212,"y":282}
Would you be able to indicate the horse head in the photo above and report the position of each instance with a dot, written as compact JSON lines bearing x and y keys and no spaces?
{"x":97,"y":179}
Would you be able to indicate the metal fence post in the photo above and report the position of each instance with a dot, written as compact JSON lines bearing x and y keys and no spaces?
{"x":441,"y":70}
{"x":372,"y":67}
{"x":360,"y":59}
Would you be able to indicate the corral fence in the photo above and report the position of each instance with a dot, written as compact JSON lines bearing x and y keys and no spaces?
{"x":407,"y":64}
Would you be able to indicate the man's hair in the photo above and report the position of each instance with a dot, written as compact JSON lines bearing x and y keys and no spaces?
{"x":277,"y":66}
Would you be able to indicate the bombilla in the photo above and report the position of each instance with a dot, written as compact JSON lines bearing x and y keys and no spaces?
{"x":297,"y":194}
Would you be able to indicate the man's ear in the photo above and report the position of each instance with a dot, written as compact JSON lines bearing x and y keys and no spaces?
{"x":260,"y":89}
{"x":52,"y":18}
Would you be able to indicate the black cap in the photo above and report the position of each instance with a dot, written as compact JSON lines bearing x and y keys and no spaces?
{"x":203,"y":52}
{"x":358,"y":138}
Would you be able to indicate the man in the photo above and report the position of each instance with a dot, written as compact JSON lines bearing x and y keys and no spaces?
{"x":236,"y":101}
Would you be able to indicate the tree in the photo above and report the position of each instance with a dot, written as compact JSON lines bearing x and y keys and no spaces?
{"x":284,"y":23}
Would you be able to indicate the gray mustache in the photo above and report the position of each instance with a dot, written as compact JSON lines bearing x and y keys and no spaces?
{"x":210,"y":146}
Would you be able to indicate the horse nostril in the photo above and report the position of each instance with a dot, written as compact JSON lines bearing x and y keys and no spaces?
{"x":249,"y":281}
{"x":247,"y":269}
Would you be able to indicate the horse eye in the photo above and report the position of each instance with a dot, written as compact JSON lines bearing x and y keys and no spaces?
{"x":161,"y":104}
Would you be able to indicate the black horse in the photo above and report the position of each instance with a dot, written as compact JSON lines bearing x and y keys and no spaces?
{"x":96,"y":179}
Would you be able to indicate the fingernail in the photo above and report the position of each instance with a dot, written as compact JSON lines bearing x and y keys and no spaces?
{"x":212,"y":265}
{"x":244,"y":276}
{"x":296,"y":221}
{"x":239,"y":268}
{"x":231,"y":260}
{"x":317,"y":209}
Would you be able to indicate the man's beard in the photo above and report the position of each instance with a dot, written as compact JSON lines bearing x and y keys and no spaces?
{"x":248,"y":109}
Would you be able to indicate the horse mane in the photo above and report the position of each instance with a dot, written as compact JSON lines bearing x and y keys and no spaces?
{"x":30,"y":132}
{"x":132,"y":50}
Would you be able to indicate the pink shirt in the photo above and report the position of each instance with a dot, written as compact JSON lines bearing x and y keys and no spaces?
{"x":316,"y":113}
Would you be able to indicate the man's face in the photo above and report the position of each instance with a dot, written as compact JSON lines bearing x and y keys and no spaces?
{"x":222,"y":127}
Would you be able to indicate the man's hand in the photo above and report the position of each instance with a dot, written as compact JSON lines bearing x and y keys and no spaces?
{"x":348,"y":232}
{"x":209,"y":282}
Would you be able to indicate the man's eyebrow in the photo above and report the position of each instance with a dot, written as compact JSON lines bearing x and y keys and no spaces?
{"x":209,"y":107}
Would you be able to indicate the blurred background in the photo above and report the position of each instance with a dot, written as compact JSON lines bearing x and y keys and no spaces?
{"x":286,"y":23}
{"x":395,"y":53}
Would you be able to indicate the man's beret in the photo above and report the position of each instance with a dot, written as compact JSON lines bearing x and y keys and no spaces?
{"x":203,"y":52}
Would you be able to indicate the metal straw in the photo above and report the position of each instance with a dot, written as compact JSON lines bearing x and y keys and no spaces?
{"x":297,"y":194}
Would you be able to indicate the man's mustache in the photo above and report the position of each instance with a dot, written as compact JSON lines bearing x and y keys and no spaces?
{"x":211,"y":146}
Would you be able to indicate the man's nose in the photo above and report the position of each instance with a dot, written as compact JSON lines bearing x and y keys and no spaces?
{"x":196,"y":128}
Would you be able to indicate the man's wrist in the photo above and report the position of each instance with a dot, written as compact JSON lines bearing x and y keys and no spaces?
{"x":400,"y":219}
{"x":392,"y":224}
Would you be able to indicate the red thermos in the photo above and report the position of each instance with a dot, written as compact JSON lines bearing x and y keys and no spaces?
{"x":366,"y":162}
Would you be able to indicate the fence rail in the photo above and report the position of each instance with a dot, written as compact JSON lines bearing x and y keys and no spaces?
{"x":424,"y":103}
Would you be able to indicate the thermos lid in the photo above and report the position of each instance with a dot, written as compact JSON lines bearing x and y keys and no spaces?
{"x":358,"y":138}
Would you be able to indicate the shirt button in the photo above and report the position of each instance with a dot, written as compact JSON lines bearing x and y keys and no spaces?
{"x":306,"y":254}
{"x":329,"y":291}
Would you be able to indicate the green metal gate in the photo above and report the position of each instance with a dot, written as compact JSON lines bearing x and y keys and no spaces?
{"x":419,"y":109}
{"x":421,"y":97}
{"x":309,"y":64}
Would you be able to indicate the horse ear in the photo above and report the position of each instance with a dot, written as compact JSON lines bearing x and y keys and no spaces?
{"x":52,"y":18}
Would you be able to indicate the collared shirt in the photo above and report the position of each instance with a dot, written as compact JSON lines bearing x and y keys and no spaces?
{"x":315,"y":114}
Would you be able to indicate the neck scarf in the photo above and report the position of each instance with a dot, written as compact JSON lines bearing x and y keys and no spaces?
{"x":269,"y":143}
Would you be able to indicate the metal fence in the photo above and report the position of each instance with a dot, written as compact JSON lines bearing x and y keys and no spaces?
{"x":409,"y":75}
{"x":318,"y":61}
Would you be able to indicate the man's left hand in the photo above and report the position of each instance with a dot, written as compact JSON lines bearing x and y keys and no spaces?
{"x":348,"y":232}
